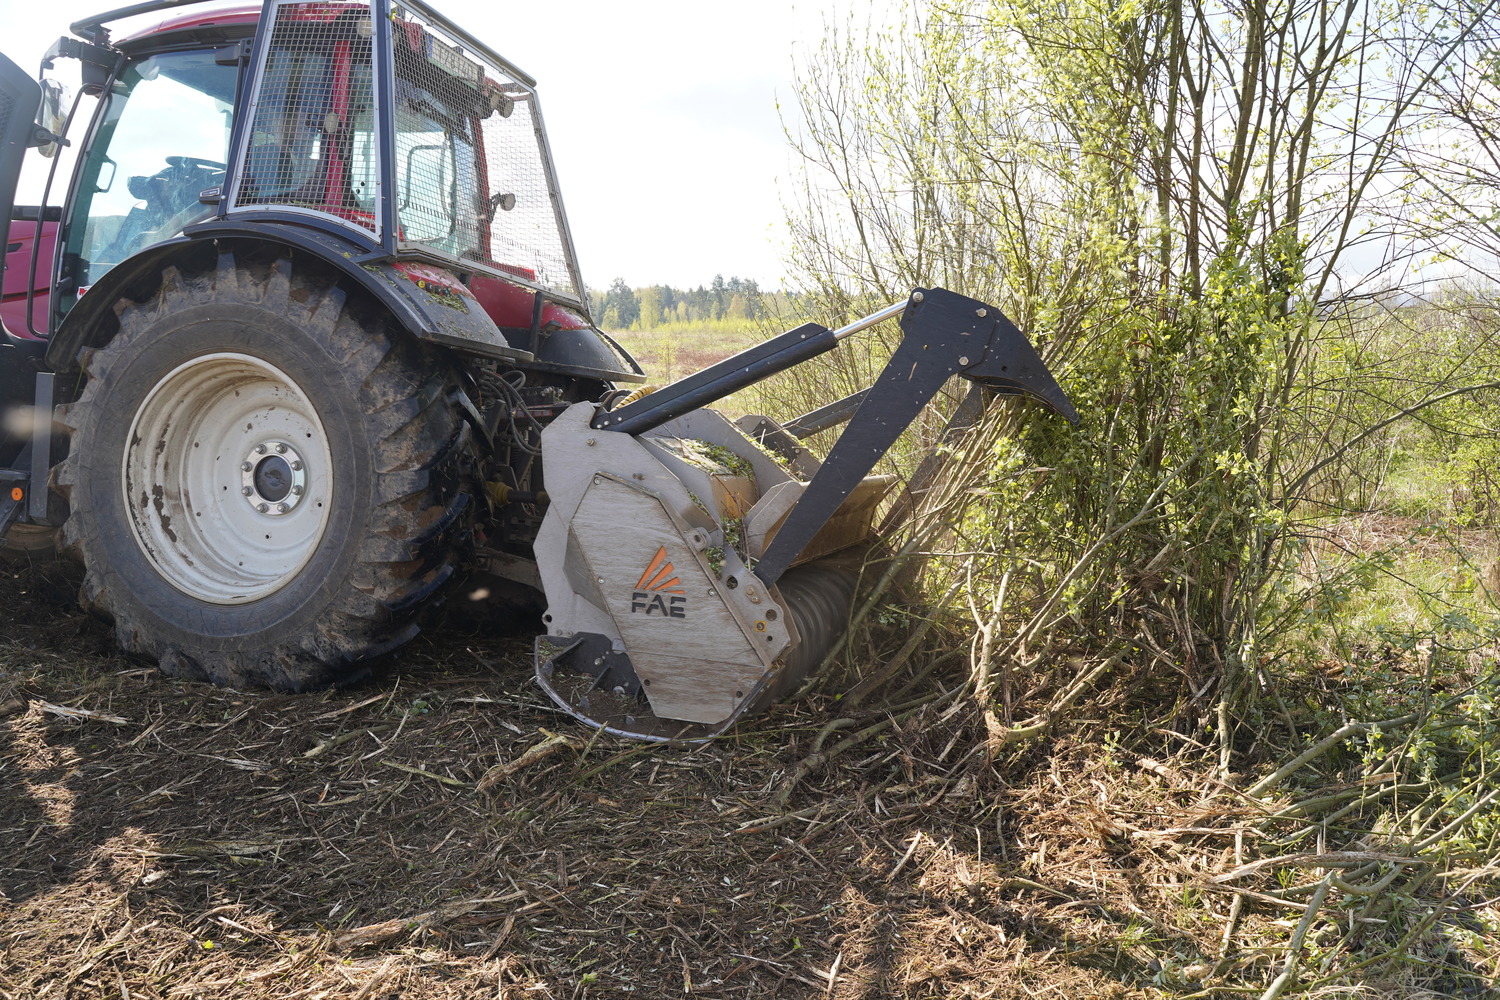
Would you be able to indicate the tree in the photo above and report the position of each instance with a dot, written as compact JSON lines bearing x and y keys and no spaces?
{"x":700,"y":304}
{"x":719,"y":295}
{"x":650,"y":307}
{"x":669,"y":298}
{"x":621,"y":308}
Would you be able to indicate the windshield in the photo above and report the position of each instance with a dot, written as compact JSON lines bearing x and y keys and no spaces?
{"x":160,"y":141}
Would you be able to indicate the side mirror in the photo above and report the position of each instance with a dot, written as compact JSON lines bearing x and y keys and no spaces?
{"x":504,"y":201}
{"x":53,"y":114}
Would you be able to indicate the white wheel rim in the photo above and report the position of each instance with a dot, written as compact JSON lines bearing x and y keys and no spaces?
{"x":213,"y":528}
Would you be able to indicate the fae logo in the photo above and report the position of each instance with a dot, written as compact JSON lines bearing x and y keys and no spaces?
{"x":655,"y":589}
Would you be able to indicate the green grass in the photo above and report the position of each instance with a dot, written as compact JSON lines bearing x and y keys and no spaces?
{"x":1379,"y":574}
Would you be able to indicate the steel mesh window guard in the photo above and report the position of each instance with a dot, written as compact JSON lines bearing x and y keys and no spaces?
{"x":469,"y":182}
{"x":471,"y":171}
{"x":311,"y":144}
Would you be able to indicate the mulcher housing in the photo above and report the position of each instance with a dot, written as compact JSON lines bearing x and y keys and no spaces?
{"x":302,"y":336}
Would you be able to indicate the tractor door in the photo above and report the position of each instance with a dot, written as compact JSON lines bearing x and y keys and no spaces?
{"x":158,"y":145}
{"x":20,"y":96}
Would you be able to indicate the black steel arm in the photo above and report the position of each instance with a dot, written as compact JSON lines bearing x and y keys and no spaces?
{"x":732,"y":374}
{"x":825,"y":417}
{"x":943,"y":334}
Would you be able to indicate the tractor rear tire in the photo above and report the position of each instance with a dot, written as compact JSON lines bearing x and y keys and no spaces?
{"x":267,"y":482}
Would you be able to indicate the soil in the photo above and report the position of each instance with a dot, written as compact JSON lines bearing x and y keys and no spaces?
{"x":444,"y":831}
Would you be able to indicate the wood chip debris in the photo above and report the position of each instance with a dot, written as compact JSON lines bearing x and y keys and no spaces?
{"x":83,"y":714}
{"x":554,"y":743}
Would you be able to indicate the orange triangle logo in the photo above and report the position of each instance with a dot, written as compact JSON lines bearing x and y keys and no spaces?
{"x":659,"y":575}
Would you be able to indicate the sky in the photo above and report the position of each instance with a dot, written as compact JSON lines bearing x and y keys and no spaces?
{"x":662,"y":116}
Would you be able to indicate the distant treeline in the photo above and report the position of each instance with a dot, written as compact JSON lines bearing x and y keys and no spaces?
{"x":622,"y":307}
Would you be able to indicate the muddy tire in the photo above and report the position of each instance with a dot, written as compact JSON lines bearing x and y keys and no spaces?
{"x":28,"y":543}
{"x":266,"y":483}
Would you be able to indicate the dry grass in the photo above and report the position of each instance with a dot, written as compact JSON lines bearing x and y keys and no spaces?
{"x":169,"y":839}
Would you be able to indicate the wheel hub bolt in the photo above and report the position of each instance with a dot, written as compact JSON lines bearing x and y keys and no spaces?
{"x":246,"y":466}
{"x":262,"y":507}
{"x":296,"y":491}
{"x":281,"y":449}
{"x":260,"y":449}
{"x":283,"y":507}
{"x":245,"y":490}
{"x":296,"y":466}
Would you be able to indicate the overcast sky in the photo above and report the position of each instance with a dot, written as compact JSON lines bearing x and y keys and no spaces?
{"x":662,"y":115}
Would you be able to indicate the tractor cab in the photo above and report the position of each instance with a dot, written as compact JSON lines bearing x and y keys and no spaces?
{"x":376,"y":122}
{"x":369,"y":140}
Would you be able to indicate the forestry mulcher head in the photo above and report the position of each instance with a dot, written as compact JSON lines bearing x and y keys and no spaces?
{"x":690,"y":564}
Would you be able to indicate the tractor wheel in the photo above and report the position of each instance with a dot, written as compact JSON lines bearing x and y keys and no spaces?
{"x":28,"y":543}
{"x":266,"y":482}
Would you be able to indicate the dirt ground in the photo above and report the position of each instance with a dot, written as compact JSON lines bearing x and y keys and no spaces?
{"x":443,"y":831}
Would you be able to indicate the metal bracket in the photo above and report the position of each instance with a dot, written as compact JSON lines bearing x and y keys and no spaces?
{"x":596,"y":656}
{"x":825,"y":417}
{"x":11,"y":506}
{"x":10,"y":511}
{"x":85,"y":52}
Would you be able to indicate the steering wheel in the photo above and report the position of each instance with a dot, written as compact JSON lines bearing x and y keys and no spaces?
{"x":193,"y":161}
{"x":171,"y":198}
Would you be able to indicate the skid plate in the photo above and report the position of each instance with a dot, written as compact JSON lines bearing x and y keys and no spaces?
{"x":599,"y":687}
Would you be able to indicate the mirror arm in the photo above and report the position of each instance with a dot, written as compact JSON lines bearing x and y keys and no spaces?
{"x":73,"y":48}
{"x":45,"y":137}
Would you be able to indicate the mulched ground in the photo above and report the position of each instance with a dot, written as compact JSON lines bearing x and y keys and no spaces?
{"x":442,"y":831}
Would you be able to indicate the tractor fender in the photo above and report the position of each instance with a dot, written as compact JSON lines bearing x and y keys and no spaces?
{"x":586,"y":353}
{"x":428,"y":301}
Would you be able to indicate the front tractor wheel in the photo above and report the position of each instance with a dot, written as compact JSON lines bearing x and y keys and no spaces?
{"x":265,"y":484}
{"x":24,"y":542}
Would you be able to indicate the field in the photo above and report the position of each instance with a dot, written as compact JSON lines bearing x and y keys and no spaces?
{"x":673,"y":352}
{"x":444,"y":832}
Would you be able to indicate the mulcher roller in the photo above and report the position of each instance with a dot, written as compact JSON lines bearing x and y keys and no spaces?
{"x":819,"y":597}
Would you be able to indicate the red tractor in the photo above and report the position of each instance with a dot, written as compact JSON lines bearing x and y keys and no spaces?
{"x":301,"y":334}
